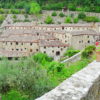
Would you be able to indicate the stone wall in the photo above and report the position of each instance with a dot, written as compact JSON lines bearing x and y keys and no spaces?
{"x":73,"y":58}
{"x":84,"y":85}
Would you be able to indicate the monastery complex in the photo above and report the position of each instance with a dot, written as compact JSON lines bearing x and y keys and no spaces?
{"x":25,"y":39}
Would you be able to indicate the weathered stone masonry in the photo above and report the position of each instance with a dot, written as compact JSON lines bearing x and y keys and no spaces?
{"x":84,"y":85}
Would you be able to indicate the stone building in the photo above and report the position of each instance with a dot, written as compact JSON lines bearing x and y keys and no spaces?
{"x":54,"y":48}
{"x":81,"y":39}
{"x":52,"y":27}
{"x":78,"y":39}
{"x":28,"y":42}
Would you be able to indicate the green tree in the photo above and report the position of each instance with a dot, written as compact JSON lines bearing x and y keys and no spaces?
{"x":1,"y":18}
{"x":49,"y":20}
{"x":91,"y":19}
{"x":61,"y":14}
{"x":54,"y":14}
{"x":76,"y":20}
{"x":34,"y":8}
{"x":68,"y":19}
{"x":81,"y":15}
{"x":14,"y":95}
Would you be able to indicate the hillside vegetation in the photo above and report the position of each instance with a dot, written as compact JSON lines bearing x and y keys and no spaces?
{"x":31,"y":77}
{"x":78,"y":5}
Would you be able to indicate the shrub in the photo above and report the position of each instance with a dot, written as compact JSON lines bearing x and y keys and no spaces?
{"x":49,"y":20}
{"x":20,"y":4}
{"x":54,"y":14}
{"x":88,"y":51}
{"x":2,"y":11}
{"x":72,"y":7}
{"x":15,"y":11}
{"x":91,"y":19}
{"x":14,"y":95}
{"x":14,"y":16}
{"x":70,"y":52}
{"x":1,"y":18}
{"x":34,"y":8}
{"x":81,"y":15}
{"x":61,"y":14}
{"x":54,"y":6}
{"x":76,"y":20}
{"x":79,"y":9}
{"x":39,"y":57}
{"x":68,"y":20}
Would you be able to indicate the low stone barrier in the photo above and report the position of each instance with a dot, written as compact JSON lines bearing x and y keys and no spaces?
{"x":73,"y":58}
{"x":84,"y":85}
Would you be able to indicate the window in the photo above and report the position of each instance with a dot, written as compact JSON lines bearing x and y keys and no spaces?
{"x":62,"y":27}
{"x":52,"y":50}
{"x":21,"y":49}
{"x":37,"y":33}
{"x":64,"y":46}
{"x":44,"y":47}
{"x":22,"y":43}
{"x":88,"y":41}
{"x":30,"y":43}
{"x":79,"y":41}
{"x":61,"y":49}
{"x":57,"y":53}
{"x":31,"y":50}
{"x":37,"y":49}
{"x":17,"y":49}
{"x":16,"y":43}
{"x":88,"y":36}
{"x":11,"y":43}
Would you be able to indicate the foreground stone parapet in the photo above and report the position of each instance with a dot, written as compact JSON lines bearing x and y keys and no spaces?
{"x":84,"y":85}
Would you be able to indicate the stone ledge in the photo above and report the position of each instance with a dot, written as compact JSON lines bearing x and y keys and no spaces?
{"x":84,"y":85}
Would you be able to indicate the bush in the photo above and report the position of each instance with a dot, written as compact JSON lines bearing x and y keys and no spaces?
{"x":68,"y":20}
{"x":54,"y":14}
{"x":91,"y":19}
{"x":81,"y":15}
{"x":79,"y":9}
{"x":61,"y":14}
{"x":54,"y":6}
{"x":49,"y":20}
{"x":14,"y":95}
{"x":1,"y":18}
{"x":2,"y":11}
{"x":72,"y":7}
{"x":34,"y":8}
{"x":39,"y":57}
{"x":70,"y":52}
{"x":20,"y":4}
{"x":76,"y":20}
{"x":15,"y":11}
{"x":14,"y":16}
{"x":88,"y":51}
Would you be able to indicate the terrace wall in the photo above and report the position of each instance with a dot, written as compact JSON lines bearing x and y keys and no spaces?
{"x":84,"y":85}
